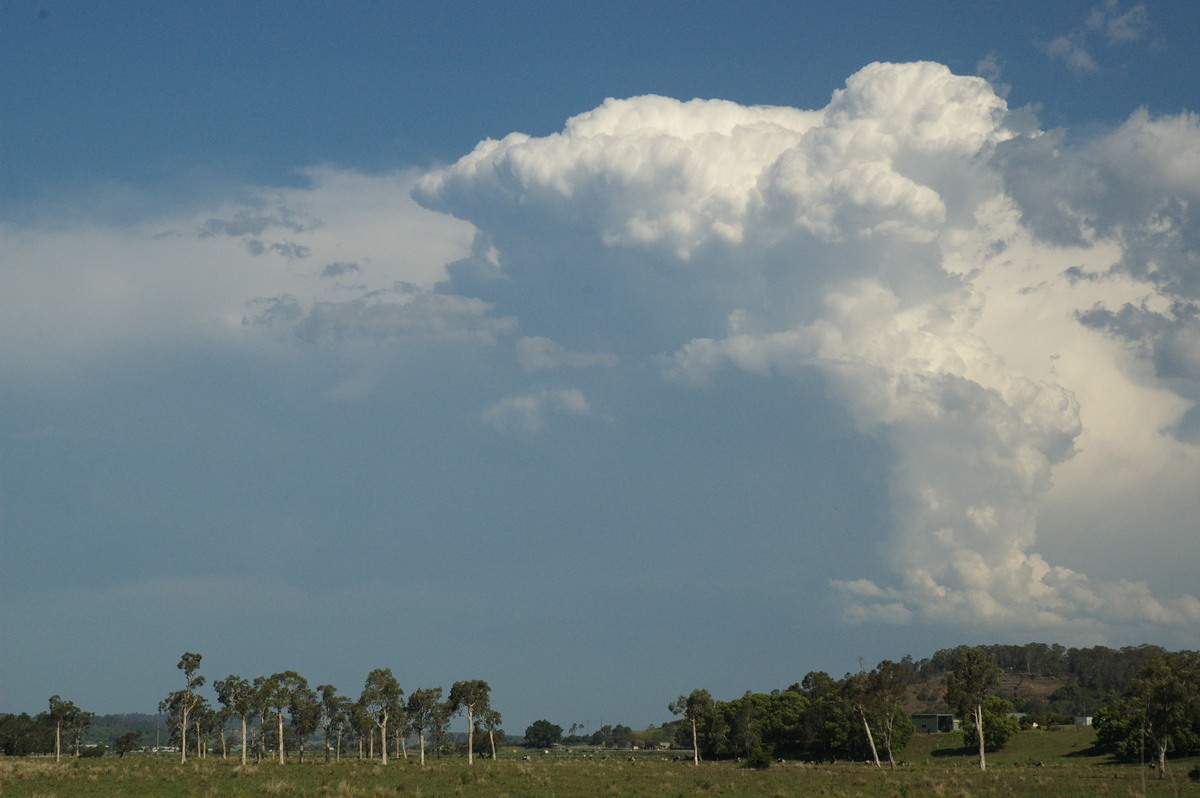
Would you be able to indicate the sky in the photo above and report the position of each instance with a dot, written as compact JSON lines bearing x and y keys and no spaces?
{"x":600,"y":351}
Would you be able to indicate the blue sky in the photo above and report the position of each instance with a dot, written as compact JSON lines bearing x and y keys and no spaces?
{"x":357,"y":335}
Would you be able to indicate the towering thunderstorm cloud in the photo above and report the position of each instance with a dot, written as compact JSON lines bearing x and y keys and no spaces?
{"x":1009,"y":316}
{"x":993,"y":305}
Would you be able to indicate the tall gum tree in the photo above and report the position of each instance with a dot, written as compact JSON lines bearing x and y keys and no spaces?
{"x":62,"y":715}
{"x":1167,"y":687}
{"x":305,"y":710}
{"x":424,"y":704}
{"x":237,"y":695}
{"x":856,"y":689}
{"x":491,"y":722}
{"x":334,"y":715}
{"x":885,"y":686}
{"x":970,"y":675}
{"x":381,"y":698}
{"x":182,"y":702}
{"x":468,"y":698}
{"x":280,"y":691}
{"x":696,"y":707}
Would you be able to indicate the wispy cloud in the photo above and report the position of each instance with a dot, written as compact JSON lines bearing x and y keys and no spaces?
{"x":535,"y":412}
{"x":1105,"y":25}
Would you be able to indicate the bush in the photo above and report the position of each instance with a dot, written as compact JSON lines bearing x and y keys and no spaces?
{"x":93,"y":751}
{"x":759,"y":759}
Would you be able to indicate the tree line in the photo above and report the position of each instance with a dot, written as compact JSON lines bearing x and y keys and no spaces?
{"x":1150,"y":707}
{"x":821,"y":719}
{"x":280,"y":713}
{"x":862,"y":717}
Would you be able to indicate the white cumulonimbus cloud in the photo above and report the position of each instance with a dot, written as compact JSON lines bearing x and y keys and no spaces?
{"x":1016,"y":319}
{"x":987,"y":302}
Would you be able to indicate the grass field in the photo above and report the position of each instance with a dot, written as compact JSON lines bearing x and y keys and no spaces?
{"x":935,"y":767}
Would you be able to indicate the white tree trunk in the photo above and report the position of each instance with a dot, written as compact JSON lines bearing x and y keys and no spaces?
{"x":282,"y":757}
{"x":870,"y":737}
{"x":243,"y":739}
{"x":887,"y":740}
{"x":383,"y":738}
{"x":470,"y":736}
{"x":979,"y":731}
{"x":695,"y":744}
{"x":183,"y":735}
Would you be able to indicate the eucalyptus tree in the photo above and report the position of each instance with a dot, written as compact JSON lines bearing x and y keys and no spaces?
{"x":875,"y":697}
{"x":887,"y":685}
{"x":381,"y":697}
{"x":423,"y":705}
{"x":1167,"y":691}
{"x":698,"y":708}
{"x":260,"y":702}
{"x":363,"y":726}
{"x":305,"y":711}
{"x":79,"y":725}
{"x":63,"y":714}
{"x":279,"y":691}
{"x":180,"y":704}
{"x":401,"y":728}
{"x":857,"y":693}
{"x":224,"y":715}
{"x":205,"y":722}
{"x":491,"y":723}
{"x":468,"y":698}
{"x":334,"y":717}
{"x":237,"y":695}
{"x":970,"y":675}
{"x":441,"y":725}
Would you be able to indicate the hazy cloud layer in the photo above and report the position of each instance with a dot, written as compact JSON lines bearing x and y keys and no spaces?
{"x":345,"y":252}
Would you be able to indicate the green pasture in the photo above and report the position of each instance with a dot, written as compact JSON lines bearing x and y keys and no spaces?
{"x":936,"y":765}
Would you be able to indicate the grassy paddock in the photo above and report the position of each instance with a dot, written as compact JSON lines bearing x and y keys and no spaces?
{"x":564,"y":776}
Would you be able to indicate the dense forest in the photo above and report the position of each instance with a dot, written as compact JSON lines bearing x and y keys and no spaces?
{"x":862,"y":715}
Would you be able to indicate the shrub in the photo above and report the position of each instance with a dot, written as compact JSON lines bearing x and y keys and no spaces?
{"x":759,"y":759}
{"x":93,"y":751}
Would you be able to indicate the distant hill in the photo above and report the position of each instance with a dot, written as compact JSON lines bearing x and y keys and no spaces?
{"x":107,"y":728}
{"x":1039,"y":679}
{"x":1032,"y":694}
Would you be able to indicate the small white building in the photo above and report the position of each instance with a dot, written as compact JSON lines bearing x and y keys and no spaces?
{"x":1083,"y":720}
